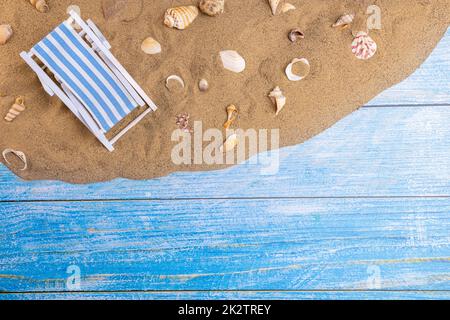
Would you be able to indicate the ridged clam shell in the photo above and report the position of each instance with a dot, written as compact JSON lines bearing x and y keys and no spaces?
{"x":303,"y":73}
{"x":363,"y":46}
{"x":232,"y":61}
{"x":6,"y":33}
{"x":230,"y":143}
{"x":180,"y":17}
{"x":344,"y":21}
{"x":15,"y":110}
{"x":278,"y":99}
{"x":40,"y":5}
{"x":212,"y":7}
{"x":151,"y":46}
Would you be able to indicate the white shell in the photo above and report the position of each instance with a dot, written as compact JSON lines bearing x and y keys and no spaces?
{"x":151,"y":46}
{"x":344,"y":20}
{"x":363,"y":46}
{"x":232,"y":61}
{"x":6,"y":33}
{"x":174,"y":77}
{"x":230,"y":143}
{"x":278,"y":99}
{"x":203,"y":85}
{"x":287,"y":7}
{"x":274,"y":5}
{"x":19,"y":154}
{"x":294,"y":77}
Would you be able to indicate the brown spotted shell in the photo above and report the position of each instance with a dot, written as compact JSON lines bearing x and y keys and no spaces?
{"x":212,"y":7}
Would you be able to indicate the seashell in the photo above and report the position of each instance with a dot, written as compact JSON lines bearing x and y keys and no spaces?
{"x":306,"y":67}
{"x":212,"y":7}
{"x":174,"y":77}
{"x":18,"y":154}
{"x":295,"y":35}
{"x":287,"y":7}
{"x":278,"y":99}
{"x":203,"y":85}
{"x":229,"y":144}
{"x":344,"y":21}
{"x":363,"y":46}
{"x":6,"y":33}
{"x":183,"y":122}
{"x":232,"y":61}
{"x":232,"y":113}
{"x":15,"y":110}
{"x":180,"y":17}
{"x":40,"y":5}
{"x":274,"y":5}
{"x":151,"y":46}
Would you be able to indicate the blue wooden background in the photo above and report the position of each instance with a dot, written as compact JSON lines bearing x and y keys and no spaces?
{"x":360,"y":211}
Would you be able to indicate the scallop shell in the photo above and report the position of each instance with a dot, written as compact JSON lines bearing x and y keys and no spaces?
{"x":232,"y":61}
{"x":287,"y":7}
{"x":295,"y":35}
{"x":232,"y":113}
{"x":18,"y":154}
{"x":230,"y":143}
{"x":363,"y":46}
{"x":344,"y":21}
{"x":180,"y":17}
{"x":151,"y":46}
{"x":6,"y":33}
{"x":212,"y":7}
{"x":278,"y":99}
{"x":203,"y":85}
{"x":304,"y":72}
{"x":15,"y":109}
{"x":174,"y":77}
{"x":274,"y":5}
{"x":40,"y":5}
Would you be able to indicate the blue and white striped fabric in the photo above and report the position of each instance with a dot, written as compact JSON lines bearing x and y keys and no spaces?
{"x":70,"y":58}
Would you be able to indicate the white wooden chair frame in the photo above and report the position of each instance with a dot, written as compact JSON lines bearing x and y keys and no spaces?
{"x":101,"y":46}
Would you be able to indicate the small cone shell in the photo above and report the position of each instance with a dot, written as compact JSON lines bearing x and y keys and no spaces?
{"x":344,"y":21}
{"x":232,"y":113}
{"x":15,"y":110}
{"x":230,"y":143}
{"x":6,"y":33}
{"x":40,"y":5}
{"x":278,"y":99}
{"x":180,"y":17}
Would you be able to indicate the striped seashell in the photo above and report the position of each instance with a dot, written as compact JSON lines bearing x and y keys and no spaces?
{"x":212,"y":7}
{"x":344,"y":21}
{"x":6,"y":33}
{"x":363,"y":46}
{"x":180,"y":17}
{"x":15,"y":110}
{"x":40,"y":5}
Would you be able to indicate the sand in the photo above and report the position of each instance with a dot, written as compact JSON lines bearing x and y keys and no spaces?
{"x":59,"y":147}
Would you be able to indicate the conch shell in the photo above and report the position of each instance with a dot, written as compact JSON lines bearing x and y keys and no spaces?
{"x":278,"y":99}
{"x":15,"y":110}
{"x":6,"y":33}
{"x":344,"y":21}
{"x":40,"y":5}
{"x":232,"y":113}
{"x":18,"y":154}
{"x":212,"y":7}
{"x":151,"y":46}
{"x":229,"y":144}
{"x":180,"y":17}
{"x":303,"y":72}
{"x":274,"y":5}
{"x":232,"y":61}
{"x":363,"y":46}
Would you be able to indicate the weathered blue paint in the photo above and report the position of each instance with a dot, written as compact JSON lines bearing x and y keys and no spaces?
{"x":362,"y":206}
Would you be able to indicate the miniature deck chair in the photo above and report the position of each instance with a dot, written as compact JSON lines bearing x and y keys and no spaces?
{"x":92,"y":83}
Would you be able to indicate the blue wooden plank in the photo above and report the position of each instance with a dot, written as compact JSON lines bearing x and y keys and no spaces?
{"x":373,"y":152}
{"x":430,"y":84}
{"x":293,"y":244}
{"x":238,"y":295}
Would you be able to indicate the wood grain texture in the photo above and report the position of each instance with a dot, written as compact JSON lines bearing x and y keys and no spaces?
{"x":293,"y":244}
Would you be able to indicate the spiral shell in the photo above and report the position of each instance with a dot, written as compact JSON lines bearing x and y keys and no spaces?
{"x":6,"y":33}
{"x":40,"y":5}
{"x":212,"y":7}
{"x":180,"y":17}
{"x":15,"y":109}
{"x":363,"y":46}
{"x":278,"y":99}
{"x":296,"y":34}
{"x":344,"y":21}
{"x":232,"y":112}
{"x":151,"y":46}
